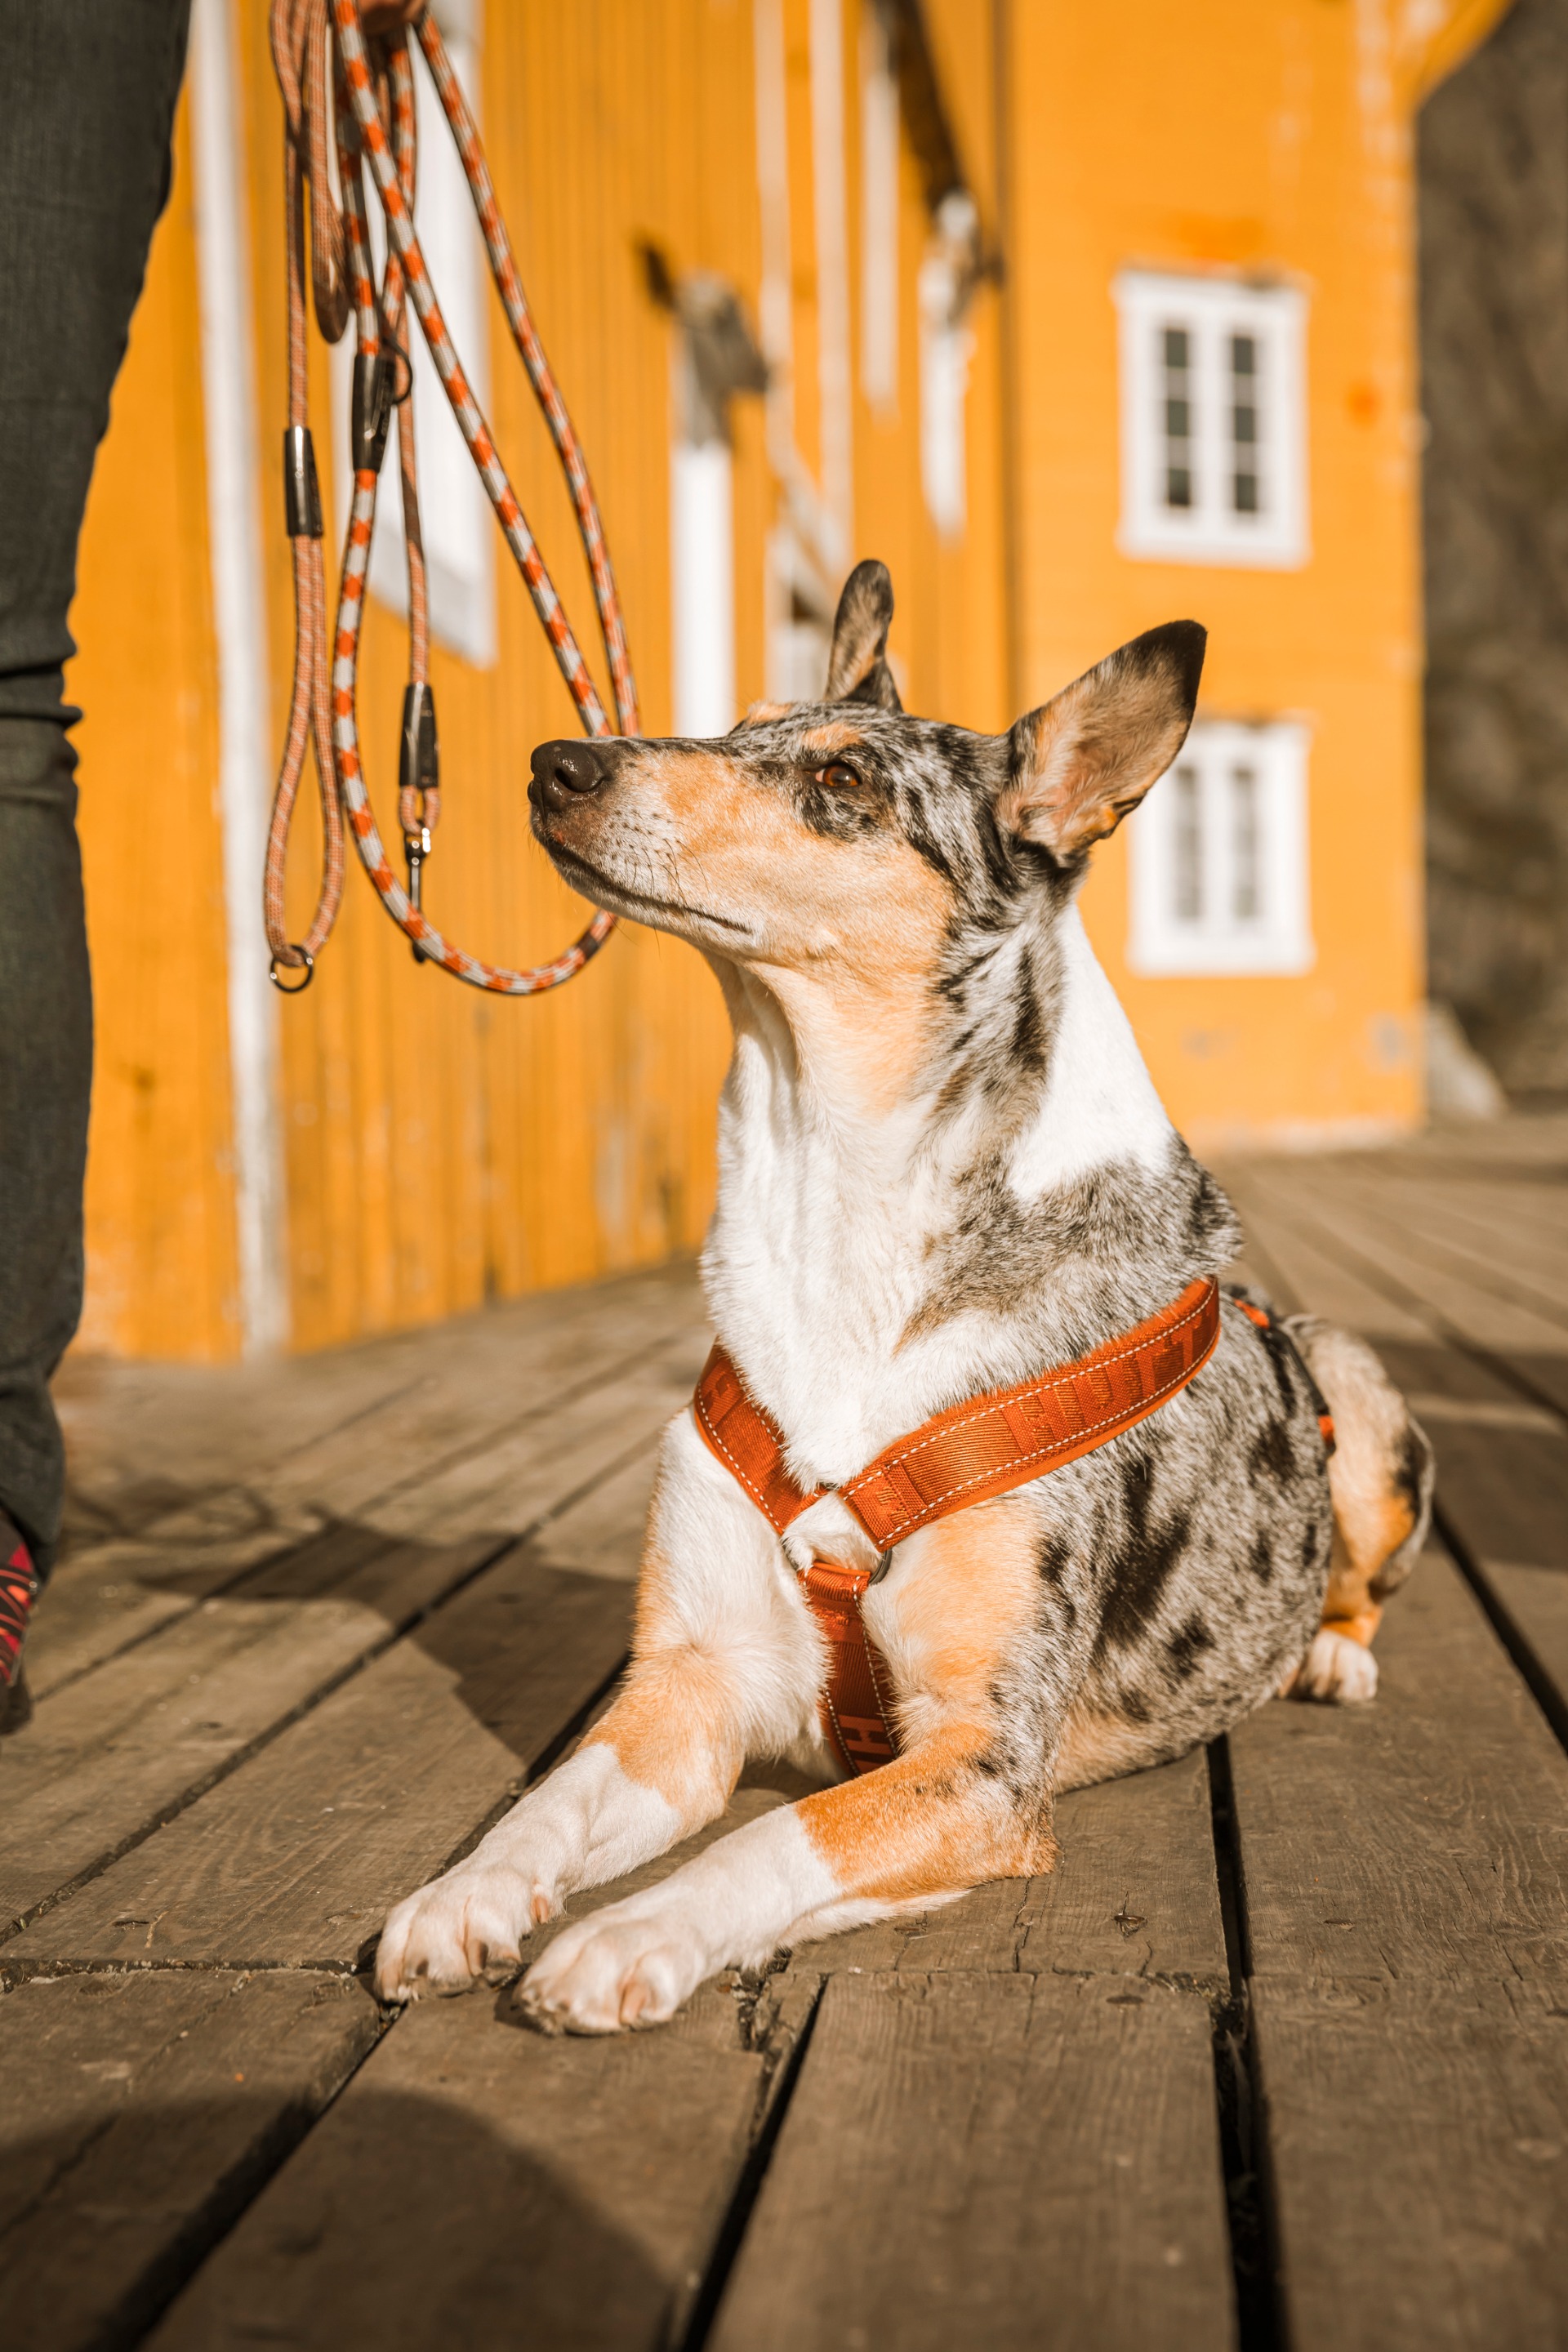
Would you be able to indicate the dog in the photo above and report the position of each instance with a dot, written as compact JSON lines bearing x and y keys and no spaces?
{"x":943,"y":1168}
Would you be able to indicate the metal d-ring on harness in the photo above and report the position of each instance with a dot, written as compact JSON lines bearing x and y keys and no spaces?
{"x":373,"y":117}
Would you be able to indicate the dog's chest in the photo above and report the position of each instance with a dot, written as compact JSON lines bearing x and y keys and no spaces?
{"x":815,"y":1266}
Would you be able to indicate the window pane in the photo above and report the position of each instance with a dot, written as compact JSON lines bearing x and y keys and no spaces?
{"x":1245,"y":497}
{"x":1175,"y":349}
{"x":1246,"y":876}
{"x":1187,"y":844}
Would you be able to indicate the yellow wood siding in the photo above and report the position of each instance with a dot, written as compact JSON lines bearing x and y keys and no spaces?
{"x":442,"y":1147}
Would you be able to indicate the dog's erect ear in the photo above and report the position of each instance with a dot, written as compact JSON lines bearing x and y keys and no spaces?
{"x":858,"y":668}
{"x":1081,"y":761}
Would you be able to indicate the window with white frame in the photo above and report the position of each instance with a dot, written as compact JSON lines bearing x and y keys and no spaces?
{"x":1213,"y":460}
{"x":1219,"y":856}
{"x":454,"y":516}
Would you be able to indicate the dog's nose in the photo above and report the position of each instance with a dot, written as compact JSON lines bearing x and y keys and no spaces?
{"x":569,"y":770}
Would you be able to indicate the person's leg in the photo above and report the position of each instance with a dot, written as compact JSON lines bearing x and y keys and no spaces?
{"x":87,"y":102}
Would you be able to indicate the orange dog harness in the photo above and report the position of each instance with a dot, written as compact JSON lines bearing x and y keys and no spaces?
{"x":967,"y":1454}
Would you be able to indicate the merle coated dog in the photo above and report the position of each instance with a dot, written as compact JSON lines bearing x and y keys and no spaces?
{"x":943,"y":1168}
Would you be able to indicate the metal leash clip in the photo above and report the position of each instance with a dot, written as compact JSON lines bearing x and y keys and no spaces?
{"x":371,"y":409}
{"x":418,"y":781}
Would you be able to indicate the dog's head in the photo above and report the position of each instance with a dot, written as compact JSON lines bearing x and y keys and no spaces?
{"x":823,"y":831}
{"x":845,"y":837}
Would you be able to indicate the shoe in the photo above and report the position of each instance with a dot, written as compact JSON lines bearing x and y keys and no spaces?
{"x":19,"y":1583}
{"x":15,"y":1703}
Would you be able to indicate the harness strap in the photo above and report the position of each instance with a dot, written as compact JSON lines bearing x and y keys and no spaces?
{"x":1267,"y":1321}
{"x":857,"y":1717}
{"x":968,"y":1454}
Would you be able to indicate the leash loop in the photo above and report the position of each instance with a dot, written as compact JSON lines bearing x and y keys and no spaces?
{"x":299,"y":37}
{"x":375,"y":131}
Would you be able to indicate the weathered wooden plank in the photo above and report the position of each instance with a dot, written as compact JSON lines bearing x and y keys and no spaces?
{"x":450,"y":2058}
{"x":477,"y":2174}
{"x":192,"y":1483}
{"x":102,"y":1597}
{"x":117,"y":1749}
{"x":1506,"y":1489}
{"x":1419,"y":2146}
{"x":1532,"y":1604}
{"x":986,"y":2158}
{"x":1412,"y":1858}
{"x":485,"y":2183}
{"x":1367,"y":1235}
{"x":96,"y":1604}
{"x":295,"y":1857}
{"x":1516,"y":1230}
{"x":148,"y":1439}
{"x":138,"y":2114}
{"x":508,"y":1483}
{"x":601,"y":1533}
{"x":110,"y":1753}
{"x":1423,"y":1837}
{"x":1303,"y":1272}
{"x":1135,"y":1893}
{"x":1502,"y":1491}
{"x":1532,"y":1142}
{"x":1480,"y":1236}
{"x":487,"y":1405}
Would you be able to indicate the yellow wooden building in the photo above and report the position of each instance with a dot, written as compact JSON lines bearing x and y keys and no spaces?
{"x":1084,"y":319}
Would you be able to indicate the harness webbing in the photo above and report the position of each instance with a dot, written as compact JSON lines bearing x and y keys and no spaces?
{"x":975,"y":1451}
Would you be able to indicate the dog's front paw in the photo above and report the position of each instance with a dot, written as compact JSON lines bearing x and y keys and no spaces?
{"x":626,"y":1965}
{"x":1336,"y":1670}
{"x":460,"y":1931}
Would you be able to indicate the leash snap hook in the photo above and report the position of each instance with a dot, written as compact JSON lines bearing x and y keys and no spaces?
{"x":372,"y":407}
{"x":419,"y":780}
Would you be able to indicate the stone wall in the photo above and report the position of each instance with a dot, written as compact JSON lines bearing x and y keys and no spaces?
{"x":1493,"y":180}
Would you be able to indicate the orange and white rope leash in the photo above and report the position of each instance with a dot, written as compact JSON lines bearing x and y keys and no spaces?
{"x":368,"y":80}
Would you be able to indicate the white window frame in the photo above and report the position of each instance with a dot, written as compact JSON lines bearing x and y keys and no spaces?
{"x":946,"y":349}
{"x":702,"y":578}
{"x":879,"y":135}
{"x":1188,"y":842}
{"x":1212,"y":311}
{"x":455,"y":514}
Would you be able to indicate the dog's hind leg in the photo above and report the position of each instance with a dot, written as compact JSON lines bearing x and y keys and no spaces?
{"x":1380,"y":1477}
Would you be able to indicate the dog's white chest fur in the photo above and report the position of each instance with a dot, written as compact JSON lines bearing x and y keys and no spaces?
{"x":821,"y":1248}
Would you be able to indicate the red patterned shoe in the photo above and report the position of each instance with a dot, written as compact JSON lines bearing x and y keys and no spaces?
{"x":19,"y":1583}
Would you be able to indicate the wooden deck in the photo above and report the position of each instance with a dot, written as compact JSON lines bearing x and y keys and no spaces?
{"x":1279,"y":2057}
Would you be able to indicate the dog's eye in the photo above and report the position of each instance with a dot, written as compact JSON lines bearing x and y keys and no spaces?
{"x":836,"y":774}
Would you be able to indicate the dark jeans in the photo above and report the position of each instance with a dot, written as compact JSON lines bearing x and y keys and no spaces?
{"x":87,"y":103}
